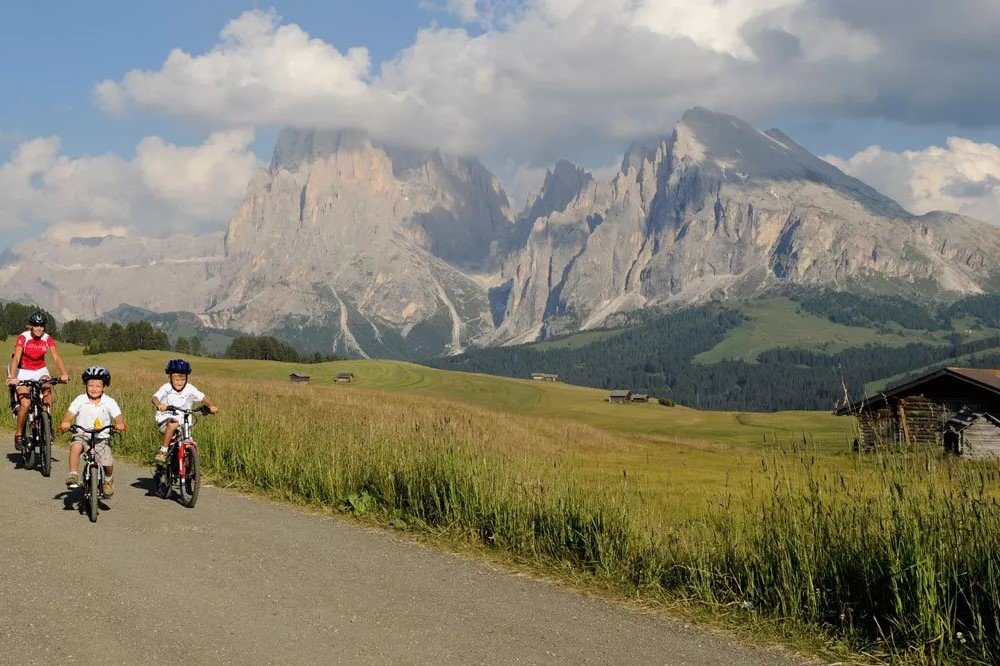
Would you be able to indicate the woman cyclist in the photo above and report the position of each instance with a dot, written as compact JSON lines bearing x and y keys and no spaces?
{"x":28,"y":363}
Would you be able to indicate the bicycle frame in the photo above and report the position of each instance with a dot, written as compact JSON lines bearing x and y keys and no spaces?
{"x":87,"y":456}
{"x":34,"y":438}
{"x":181,"y":438}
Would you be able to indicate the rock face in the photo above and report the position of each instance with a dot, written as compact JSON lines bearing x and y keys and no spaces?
{"x":350,"y":246}
{"x":719,"y":209}
{"x":369,"y":246}
{"x":86,"y":277}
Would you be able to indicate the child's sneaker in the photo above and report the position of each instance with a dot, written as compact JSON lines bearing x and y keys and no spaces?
{"x":17,"y":442}
{"x":109,"y":487}
{"x":73,"y":480}
{"x":161,"y":459}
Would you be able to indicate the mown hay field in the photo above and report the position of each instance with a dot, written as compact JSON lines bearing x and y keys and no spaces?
{"x":895,"y":556}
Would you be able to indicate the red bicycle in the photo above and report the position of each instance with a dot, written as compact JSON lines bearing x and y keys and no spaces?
{"x":182,"y":469}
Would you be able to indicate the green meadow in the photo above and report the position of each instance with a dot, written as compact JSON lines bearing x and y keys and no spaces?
{"x":766,"y":520}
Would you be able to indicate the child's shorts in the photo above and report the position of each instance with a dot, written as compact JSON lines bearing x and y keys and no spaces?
{"x":102,"y":450}
{"x":163,"y":424}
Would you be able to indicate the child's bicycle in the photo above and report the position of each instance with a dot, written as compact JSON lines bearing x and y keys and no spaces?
{"x":36,"y":445}
{"x":93,"y":473}
{"x":182,"y":469}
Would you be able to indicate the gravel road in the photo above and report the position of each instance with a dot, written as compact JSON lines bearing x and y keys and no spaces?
{"x":242,"y":580}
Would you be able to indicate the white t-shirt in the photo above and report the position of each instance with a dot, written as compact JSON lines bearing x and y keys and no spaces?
{"x":185,"y":398}
{"x":87,"y":412}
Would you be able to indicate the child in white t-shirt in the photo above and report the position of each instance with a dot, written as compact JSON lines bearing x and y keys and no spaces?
{"x":93,"y":409}
{"x":176,"y":393}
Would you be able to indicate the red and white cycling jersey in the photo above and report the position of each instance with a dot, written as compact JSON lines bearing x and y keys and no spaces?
{"x":33,"y":356}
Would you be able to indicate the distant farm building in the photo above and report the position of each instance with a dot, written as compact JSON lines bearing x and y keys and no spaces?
{"x":544,"y":377}
{"x":620,"y":396}
{"x":956,"y":408}
{"x":974,"y":435}
{"x":345,"y":377}
{"x":640,"y":397}
{"x":299,"y":378}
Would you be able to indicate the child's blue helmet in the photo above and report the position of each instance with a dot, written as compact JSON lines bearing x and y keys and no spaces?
{"x":178,"y":365}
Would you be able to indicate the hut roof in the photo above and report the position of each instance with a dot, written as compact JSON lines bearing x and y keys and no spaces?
{"x":299,"y":375}
{"x":621,"y":393}
{"x":966,"y":417}
{"x":344,"y":375}
{"x":984,"y":379}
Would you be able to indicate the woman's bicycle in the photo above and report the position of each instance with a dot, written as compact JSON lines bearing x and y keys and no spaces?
{"x":36,"y":445}
{"x":93,"y":473}
{"x":182,"y":469}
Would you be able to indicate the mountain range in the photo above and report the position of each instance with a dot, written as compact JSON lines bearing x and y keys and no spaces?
{"x":348,"y":245}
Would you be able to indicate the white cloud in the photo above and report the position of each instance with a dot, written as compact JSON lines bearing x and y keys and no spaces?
{"x":69,"y":230}
{"x":962,"y":177}
{"x":162,"y":189}
{"x":542,"y":76}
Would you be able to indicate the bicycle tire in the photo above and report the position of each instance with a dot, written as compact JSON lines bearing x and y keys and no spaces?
{"x":45,"y":448}
{"x":94,"y":500}
{"x":161,"y":482}
{"x":29,"y":446}
{"x":191,"y":483}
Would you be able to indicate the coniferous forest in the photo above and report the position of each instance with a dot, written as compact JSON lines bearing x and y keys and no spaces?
{"x":658,"y":356}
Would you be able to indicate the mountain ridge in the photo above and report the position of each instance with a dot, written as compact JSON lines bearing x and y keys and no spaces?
{"x":352,"y":246}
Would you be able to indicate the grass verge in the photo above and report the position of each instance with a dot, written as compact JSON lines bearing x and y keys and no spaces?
{"x":893,"y":556}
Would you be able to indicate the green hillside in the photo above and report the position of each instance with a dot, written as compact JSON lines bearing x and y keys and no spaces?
{"x":519,"y":396}
{"x":779,"y":322}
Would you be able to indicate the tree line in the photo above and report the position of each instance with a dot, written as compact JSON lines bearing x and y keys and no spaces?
{"x":100,"y":338}
{"x":657,"y":358}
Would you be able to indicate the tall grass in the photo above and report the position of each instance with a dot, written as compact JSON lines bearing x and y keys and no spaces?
{"x":896,"y":554}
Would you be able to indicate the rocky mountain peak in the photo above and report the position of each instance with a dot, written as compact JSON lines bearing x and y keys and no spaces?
{"x":561,"y":185}
{"x":296,"y":147}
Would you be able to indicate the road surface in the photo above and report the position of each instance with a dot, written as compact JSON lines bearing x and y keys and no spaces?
{"x":242,"y":580}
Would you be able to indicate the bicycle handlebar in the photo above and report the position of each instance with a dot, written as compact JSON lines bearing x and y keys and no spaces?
{"x":90,"y":431}
{"x":40,"y":382}
{"x":204,"y":410}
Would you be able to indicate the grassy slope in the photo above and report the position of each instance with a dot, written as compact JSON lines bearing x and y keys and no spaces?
{"x":778,"y":323}
{"x":679,"y":457}
{"x":582,"y":405}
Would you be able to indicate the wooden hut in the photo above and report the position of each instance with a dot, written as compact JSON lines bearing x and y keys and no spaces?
{"x":544,"y":377}
{"x":973,"y":435}
{"x":299,"y":378}
{"x":917,"y":412}
{"x":345,"y":377}
{"x":640,"y":397}
{"x":620,"y":396}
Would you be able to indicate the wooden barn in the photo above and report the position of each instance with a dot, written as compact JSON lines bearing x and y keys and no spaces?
{"x":918,"y":412}
{"x":345,"y":377}
{"x":620,"y":396}
{"x":544,"y":377}
{"x":299,"y":378}
{"x":640,"y":397}
{"x":973,"y":435}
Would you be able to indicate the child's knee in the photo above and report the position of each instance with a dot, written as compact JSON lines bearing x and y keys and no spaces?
{"x":75,"y":448}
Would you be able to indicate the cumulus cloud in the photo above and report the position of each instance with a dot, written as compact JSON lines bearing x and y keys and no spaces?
{"x":963,"y":176}
{"x":164,"y":188}
{"x":542,"y":76}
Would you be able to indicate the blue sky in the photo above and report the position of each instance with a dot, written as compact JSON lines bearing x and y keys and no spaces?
{"x":900,"y":93}
{"x":60,"y":56}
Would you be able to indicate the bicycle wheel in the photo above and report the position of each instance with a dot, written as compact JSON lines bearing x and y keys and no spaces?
{"x":94,"y":491}
{"x":191,"y":482}
{"x":161,"y":482}
{"x":45,"y":444}
{"x":29,"y":446}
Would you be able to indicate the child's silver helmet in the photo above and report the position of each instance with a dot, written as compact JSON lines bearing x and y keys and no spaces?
{"x":97,"y":372}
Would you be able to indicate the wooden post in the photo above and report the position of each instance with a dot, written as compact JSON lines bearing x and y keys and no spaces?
{"x":904,"y":425}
